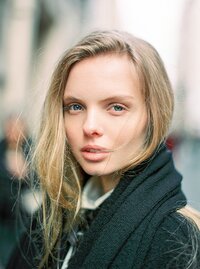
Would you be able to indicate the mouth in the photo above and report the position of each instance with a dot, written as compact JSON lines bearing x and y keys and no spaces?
{"x":94,"y":153}
{"x":95,"y":149}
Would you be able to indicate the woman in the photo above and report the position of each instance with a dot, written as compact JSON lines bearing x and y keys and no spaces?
{"x":111,"y":195}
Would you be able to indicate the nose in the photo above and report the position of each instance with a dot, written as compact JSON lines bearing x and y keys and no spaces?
{"x":92,"y":126}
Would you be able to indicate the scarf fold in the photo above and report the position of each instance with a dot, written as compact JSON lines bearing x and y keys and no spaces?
{"x":121,"y":234}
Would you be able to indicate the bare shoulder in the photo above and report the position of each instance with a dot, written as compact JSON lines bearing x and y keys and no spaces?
{"x":176,"y":243}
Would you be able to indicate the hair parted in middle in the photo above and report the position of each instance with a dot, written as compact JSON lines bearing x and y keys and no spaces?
{"x":58,"y":171}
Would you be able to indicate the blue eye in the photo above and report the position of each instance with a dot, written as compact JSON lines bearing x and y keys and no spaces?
{"x":73,"y":107}
{"x":118,"y":108}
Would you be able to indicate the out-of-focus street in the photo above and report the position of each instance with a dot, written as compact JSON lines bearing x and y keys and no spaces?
{"x":187,"y":159}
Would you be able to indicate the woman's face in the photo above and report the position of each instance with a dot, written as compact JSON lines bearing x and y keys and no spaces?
{"x":104,"y":113}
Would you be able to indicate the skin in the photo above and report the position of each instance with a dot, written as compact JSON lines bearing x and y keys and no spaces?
{"x":105,"y":115}
{"x":15,"y":130}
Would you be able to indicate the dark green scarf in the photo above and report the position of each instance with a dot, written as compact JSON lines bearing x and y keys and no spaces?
{"x":122,"y":232}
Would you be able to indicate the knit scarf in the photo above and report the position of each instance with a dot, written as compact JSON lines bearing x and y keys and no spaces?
{"x":122,"y":232}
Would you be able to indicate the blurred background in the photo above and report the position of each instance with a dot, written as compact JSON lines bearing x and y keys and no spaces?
{"x":35,"y":33}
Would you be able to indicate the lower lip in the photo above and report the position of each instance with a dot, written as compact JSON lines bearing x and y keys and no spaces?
{"x":94,"y":156}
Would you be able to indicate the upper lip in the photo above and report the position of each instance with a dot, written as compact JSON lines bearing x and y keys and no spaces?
{"x":94,"y":148}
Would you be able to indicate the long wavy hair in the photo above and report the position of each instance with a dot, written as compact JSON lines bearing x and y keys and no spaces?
{"x":59,"y":173}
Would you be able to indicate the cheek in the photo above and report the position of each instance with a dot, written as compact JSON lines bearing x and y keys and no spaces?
{"x":69,"y":130}
{"x":132,"y":137}
{"x":71,"y":137}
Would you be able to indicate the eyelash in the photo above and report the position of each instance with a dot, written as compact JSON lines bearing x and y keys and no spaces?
{"x":70,"y":108}
{"x":119,"y":106}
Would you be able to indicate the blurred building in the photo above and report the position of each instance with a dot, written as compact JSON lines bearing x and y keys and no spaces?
{"x":34,"y":35}
{"x":190,"y":66}
{"x":188,"y":154}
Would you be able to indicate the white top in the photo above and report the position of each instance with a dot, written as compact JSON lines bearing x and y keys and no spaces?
{"x":92,"y":198}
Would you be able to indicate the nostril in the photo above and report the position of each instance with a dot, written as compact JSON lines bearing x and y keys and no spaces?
{"x":93,"y":132}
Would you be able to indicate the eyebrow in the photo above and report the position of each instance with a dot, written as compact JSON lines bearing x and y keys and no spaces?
{"x":108,"y":99}
{"x":117,"y":97}
{"x":71,"y":99}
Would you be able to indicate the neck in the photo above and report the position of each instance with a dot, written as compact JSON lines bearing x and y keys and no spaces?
{"x":109,"y":182}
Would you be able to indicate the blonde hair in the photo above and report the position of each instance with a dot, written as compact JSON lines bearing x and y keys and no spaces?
{"x":58,"y":171}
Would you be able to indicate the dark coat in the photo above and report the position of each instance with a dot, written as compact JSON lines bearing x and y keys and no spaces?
{"x":137,"y":227}
{"x":8,"y":187}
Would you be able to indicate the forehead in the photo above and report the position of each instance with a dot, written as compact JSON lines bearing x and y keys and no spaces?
{"x":104,"y":60}
{"x":105,"y":74}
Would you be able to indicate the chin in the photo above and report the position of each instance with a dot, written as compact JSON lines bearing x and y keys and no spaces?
{"x":95,"y":172}
{"x":99,"y":168}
